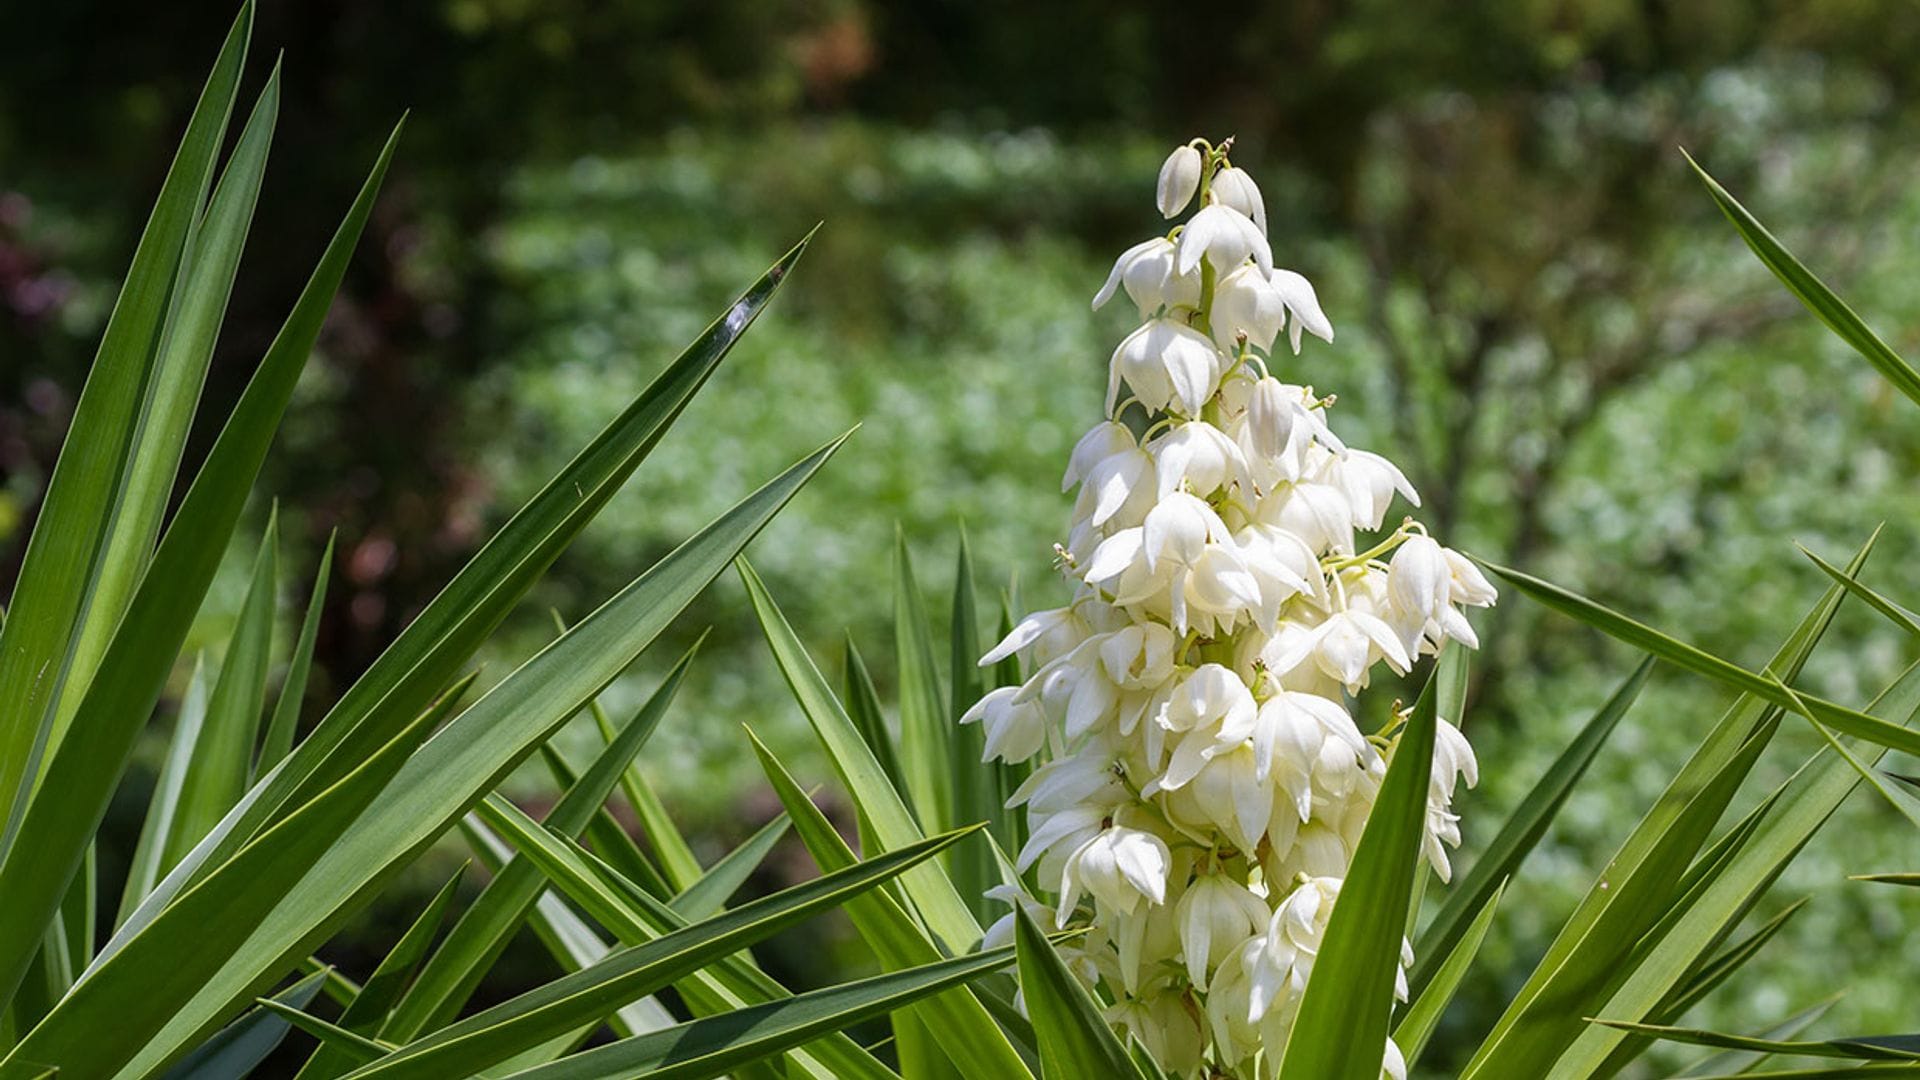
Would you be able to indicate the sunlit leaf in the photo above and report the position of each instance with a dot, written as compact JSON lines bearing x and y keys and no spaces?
{"x":1813,"y":292}
{"x":1341,"y":1028}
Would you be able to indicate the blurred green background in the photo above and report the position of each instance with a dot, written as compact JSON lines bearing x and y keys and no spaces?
{"x":1541,"y":317}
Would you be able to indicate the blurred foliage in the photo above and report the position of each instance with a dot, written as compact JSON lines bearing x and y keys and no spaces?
{"x":1540,"y":315}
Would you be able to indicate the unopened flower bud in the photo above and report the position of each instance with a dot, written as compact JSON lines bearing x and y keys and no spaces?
{"x":1179,"y":179}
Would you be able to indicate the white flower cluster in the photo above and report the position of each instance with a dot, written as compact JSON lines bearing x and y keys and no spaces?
{"x":1204,"y":783}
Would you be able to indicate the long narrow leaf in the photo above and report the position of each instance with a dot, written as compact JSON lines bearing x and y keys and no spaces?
{"x":1423,"y":1014}
{"x":444,"y":636}
{"x":208,"y":971}
{"x":1864,"y":1048}
{"x":863,"y":708}
{"x":956,"y":1020}
{"x":1710,"y":976}
{"x":489,"y":923}
{"x":82,"y":774}
{"x":976,"y":786}
{"x":490,"y":1036}
{"x":925,"y":756}
{"x":573,"y":945}
{"x":223,"y":754}
{"x":1074,"y":1038}
{"x":58,"y":566}
{"x":198,"y":308}
{"x":240,"y":1046}
{"x":1813,"y":292}
{"x":709,"y":895}
{"x":1729,"y":739}
{"x":146,"y":868}
{"x":1899,"y":616}
{"x":384,"y":987}
{"x":1639,"y":635}
{"x":286,"y":711}
{"x":1804,"y":803}
{"x":715,"y":1046}
{"x":331,"y":1036}
{"x":1341,"y":1029}
{"x":1732,"y":1062}
{"x":636,"y":917}
{"x":932,"y":892}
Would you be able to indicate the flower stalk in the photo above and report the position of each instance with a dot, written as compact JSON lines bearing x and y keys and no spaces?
{"x":1201,"y":783}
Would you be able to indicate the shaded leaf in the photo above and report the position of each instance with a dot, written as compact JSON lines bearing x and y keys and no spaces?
{"x":1074,"y":1038}
{"x":1811,"y":291}
{"x":710,"y":1047}
{"x":232,"y":1053}
{"x":286,"y":711}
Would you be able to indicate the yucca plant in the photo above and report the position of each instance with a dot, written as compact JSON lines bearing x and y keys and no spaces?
{"x":1664,"y":923}
{"x":258,"y":845}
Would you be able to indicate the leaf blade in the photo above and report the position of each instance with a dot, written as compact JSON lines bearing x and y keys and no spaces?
{"x":1341,"y":1028}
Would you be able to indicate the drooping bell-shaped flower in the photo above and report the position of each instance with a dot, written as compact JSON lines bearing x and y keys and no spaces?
{"x":1226,"y":238}
{"x":1166,"y":363}
{"x":1147,"y":272}
{"x":1233,"y":187}
{"x":1120,"y":867}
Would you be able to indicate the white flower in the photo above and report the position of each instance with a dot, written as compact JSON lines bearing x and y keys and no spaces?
{"x":1159,"y":555}
{"x":1226,"y":237}
{"x":1199,"y":455}
{"x":1179,"y":179}
{"x":1211,"y":699}
{"x":1351,"y":641}
{"x":1393,"y":1065}
{"x":1138,"y":661}
{"x":1452,"y":757}
{"x":1297,"y":292}
{"x":1233,"y":187}
{"x":1284,"y":963}
{"x":1014,"y":731}
{"x":1001,"y":933}
{"x":1290,"y":735}
{"x":1166,"y":362}
{"x":1246,"y":304}
{"x":1102,"y":441}
{"x":1120,"y":486}
{"x":1317,"y":513}
{"x":1212,"y":712}
{"x":1080,"y":780}
{"x":1370,"y":482}
{"x":1120,"y":867}
{"x":1044,"y":633}
{"x":1283,"y":565}
{"x":1181,"y":561}
{"x":1167,"y":1028}
{"x":1470,"y":586}
{"x":1226,"y":795}
{"x":1147,"y":272}
{"x":1419,"y":581}
{"x":1217,"y":914}
{"x":1179,"y":529}
{"x":1229,"y":1007}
